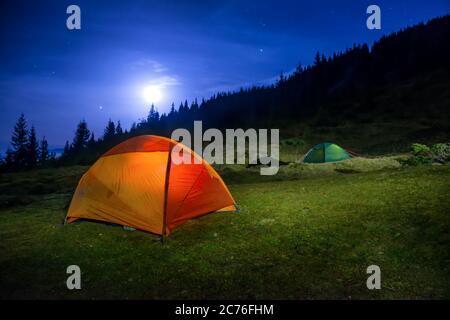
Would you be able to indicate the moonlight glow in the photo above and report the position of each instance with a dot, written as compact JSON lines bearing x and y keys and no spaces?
{"x":152,"y":94}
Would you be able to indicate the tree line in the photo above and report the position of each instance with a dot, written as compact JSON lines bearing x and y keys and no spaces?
{"x":25,"y":151}
{"x":334,"y":89}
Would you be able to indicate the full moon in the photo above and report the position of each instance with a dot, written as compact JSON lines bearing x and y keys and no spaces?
{"x":152,"y":94}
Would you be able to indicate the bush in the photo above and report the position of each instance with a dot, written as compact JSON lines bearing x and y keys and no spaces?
{"x":422,"y":154}
{"x":295,"y":142}
{"x":441,"y":152}
{"x":420,"y":150}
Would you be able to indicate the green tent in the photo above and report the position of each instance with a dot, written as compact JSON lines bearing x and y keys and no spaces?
{"x":326,"y":152}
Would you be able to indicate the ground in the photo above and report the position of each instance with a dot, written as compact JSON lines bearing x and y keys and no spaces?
{"x":308,"y":233}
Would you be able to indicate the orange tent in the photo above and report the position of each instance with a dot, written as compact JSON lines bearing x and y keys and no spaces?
{"x":136,"y":184}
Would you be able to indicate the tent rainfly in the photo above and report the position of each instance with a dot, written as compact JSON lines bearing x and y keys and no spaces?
{"x":326,"y":152}
{"x":135,"y":184}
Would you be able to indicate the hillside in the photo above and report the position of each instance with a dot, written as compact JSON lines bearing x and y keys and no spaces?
{"x":375,"y":100}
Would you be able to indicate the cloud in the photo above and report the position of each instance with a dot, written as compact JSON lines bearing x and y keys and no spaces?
{"x":165,"y":81}
{"x":158,"y":73}
{"x":154,"y":65}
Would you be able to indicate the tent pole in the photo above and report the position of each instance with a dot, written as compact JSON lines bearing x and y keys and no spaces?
{"x":166,"y":191}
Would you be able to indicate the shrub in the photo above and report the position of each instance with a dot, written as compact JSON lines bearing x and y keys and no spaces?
{"x":420,"y":150}
{"x":295,"y":142}
{"x":441,"y":152}
{"x":422,"y":154}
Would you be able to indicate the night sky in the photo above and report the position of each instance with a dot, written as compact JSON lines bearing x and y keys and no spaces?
{"x":187,"y":48}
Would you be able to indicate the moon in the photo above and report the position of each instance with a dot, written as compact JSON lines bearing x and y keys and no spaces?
{"x":152,"y":94}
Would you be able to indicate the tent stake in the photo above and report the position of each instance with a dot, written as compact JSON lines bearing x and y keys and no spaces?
{"x":160,"y":239}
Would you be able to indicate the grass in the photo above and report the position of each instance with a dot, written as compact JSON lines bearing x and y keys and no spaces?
{"x":298,"y":170}
{"x":309,"y":233}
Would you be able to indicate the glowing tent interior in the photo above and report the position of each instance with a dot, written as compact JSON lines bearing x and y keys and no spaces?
{"x":136,"y":184}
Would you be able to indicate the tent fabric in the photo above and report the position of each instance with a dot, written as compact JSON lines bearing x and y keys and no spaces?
{"x":136,"y":184}
{"x":326,"y":152}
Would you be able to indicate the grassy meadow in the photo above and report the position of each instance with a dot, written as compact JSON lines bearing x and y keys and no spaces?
{"x":309,"y":232}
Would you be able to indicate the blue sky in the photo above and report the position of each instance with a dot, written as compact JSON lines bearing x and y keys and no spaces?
{"x":187,"y":48}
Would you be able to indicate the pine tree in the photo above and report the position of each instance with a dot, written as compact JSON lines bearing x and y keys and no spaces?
{"x":153,"y":116}
{"x":110,"y":130}
{"x":172,"y":110}
{"x":281,"y":79}
{"x":194,"y":105}
{"x":19,"y":142}
{"x":299,"y":69}
{"x":91,"y":142}
{"x":32,"y":149}
{"x":317,"y":59}
{"x":9,"y":159}
{"x":81,"y":138}
{"x":44,"y":154}
{"x":66,"y":151}
{"x":119,"y":130}
{"x":163,"y":120}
